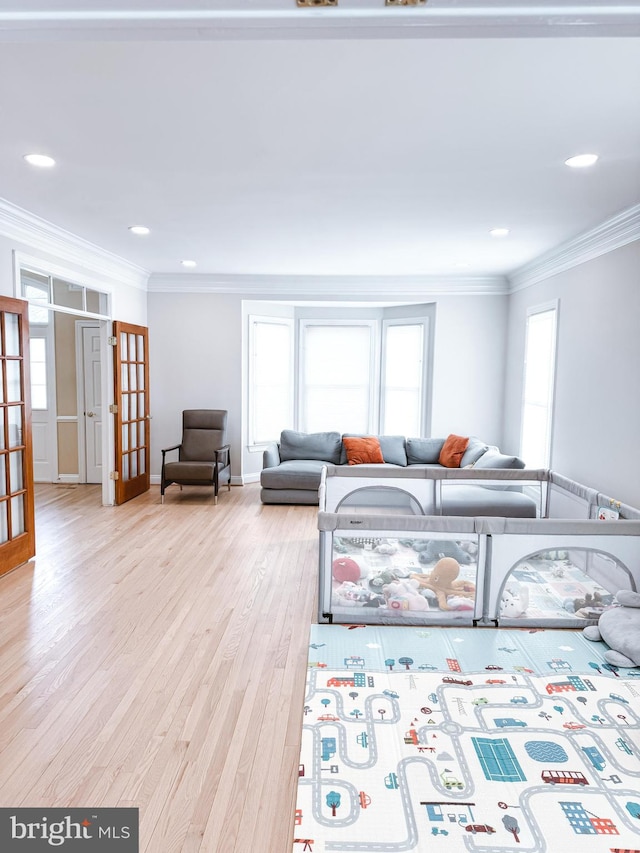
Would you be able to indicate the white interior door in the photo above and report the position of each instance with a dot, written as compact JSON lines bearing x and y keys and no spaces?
{"x":43,"y":397}
{"x":92,"y":402}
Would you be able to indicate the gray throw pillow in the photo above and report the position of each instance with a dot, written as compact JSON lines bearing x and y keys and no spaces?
{"x":393,"y":449}
{"x":494,"y":459}
{"x":424,"y":451}
{"x":475,"y":449}
{"x":325,"y":446}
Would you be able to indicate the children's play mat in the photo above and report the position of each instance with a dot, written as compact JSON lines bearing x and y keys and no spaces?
{"x":461,"y":738}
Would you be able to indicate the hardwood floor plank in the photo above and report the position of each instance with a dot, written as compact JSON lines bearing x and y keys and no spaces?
{"x":154,"y":656}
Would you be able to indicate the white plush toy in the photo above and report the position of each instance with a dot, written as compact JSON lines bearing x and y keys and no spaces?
{"x":515,"y":600}
{"x":620,"y":629}
{"x":404,"y":595}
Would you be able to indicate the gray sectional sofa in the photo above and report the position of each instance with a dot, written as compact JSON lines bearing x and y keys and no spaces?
{"x":292,"y":471}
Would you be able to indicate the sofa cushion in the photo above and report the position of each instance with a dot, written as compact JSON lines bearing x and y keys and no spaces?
{"x":289,"y":496}
{"x":494,"y":459}
{"x":424,"y":451}
{"x":293,"y":474}
{"x":364,"y":450}
{"x":189,"y":473}
{"x":453,"y":450}
{"x":482,"y":500}
{"x":475,"y":449}
{"x":393,"y":449}
{"x":325,"y":446}
{"x":392,"y":446}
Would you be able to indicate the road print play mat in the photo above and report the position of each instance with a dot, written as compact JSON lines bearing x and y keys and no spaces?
{"x":453,"y":739}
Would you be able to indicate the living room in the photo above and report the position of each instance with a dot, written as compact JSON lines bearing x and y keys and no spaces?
{"x":310,"y":186}
{"x":479,"y":287}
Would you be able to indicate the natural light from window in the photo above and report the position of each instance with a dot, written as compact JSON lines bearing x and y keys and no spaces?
{"x":329,"y":368}
{"x":336,"y":378}
{"x":539,"y":375}
{"x":38,"y":365}
{"x":403,"y":379}
{"x":271,"y":381}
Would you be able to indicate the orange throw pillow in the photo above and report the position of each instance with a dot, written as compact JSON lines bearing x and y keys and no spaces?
{"x":453,"y":450}
{"x":363,"y":451}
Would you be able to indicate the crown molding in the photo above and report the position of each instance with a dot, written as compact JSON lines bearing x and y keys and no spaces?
{"x":39,"y":235}
{"x":178,"y":19}
{"x":330,"y":286}
{"x":612,"y":234}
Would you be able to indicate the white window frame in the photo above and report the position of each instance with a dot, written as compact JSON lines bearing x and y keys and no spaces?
{"x":25,"y":264}
{"x":424,"y":381}
{"x":553,"y":306}
{"x":374,"y":365}
{"x":255,"y":320}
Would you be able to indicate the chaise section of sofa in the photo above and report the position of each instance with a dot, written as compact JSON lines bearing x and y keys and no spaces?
{"x":504,"y":500}
{"x":292,"y":471}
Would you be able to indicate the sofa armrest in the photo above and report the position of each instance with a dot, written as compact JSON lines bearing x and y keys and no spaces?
{"x":271,"y":456}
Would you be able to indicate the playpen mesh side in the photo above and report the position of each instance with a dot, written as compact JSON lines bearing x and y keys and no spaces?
{"x":556,"y":573}
{"x":370,"y":566}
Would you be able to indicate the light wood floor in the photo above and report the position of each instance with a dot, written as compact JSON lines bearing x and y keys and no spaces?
{"x":155,"y":656}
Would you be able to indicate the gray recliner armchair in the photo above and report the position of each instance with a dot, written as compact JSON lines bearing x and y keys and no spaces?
{"x":203,"y":455}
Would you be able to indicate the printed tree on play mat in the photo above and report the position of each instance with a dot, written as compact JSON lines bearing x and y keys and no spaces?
{"x":333,"y":801}
{"x":511,"y":825}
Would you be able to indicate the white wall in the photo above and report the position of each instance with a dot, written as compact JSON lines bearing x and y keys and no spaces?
{"x":469,"y":359}
{"x":597,"y":406}
{"x":197,"y":350}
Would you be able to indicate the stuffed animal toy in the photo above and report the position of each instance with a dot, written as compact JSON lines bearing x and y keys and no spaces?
{"x":384,"y":576}
{"x":386,"y":548}
{"x":591,"y":606}
{"x":437,"y":548}
{"x":620,"y":629}
{"x":443,"y":581}
{"x":404,"y":595}
{"x":346,"y":569}
{"x":350,"y":594}
{"x":515,"y":600}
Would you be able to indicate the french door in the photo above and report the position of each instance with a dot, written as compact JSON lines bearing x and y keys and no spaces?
{"x":17,"y":521}
{"x":131,"y":373}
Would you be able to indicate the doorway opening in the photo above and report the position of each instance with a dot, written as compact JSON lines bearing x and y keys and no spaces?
{"x":70,"y":372}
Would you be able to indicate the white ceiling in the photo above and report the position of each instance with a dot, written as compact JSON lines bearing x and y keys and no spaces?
{"x":258,"y":138}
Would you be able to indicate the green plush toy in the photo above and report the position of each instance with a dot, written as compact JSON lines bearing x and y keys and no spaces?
{"x":620,"y":630}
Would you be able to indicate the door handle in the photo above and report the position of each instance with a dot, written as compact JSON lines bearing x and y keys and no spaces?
{"x":90,"y":414}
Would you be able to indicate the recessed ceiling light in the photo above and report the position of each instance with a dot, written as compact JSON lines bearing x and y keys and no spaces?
{"x":462,"y":265}
{"x":188,"y":263}
{"x":581,"y":161}
{"x":139,"y":229}
{"x":499,"y":232}
{"x":41,"y":160}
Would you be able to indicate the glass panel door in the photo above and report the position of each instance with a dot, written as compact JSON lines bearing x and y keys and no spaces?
{"x":131,"y":372}
{"x":17,"y":523}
